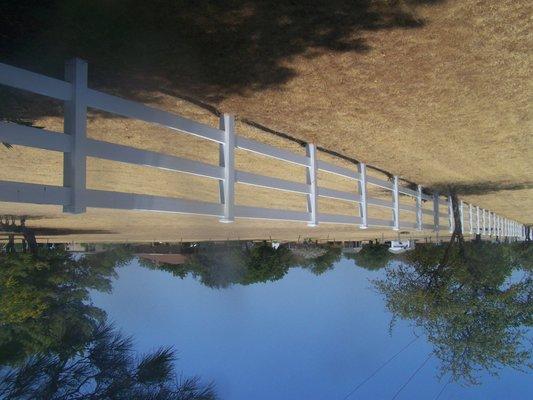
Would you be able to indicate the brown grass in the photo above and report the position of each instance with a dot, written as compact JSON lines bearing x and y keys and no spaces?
{"x":445,"y":103}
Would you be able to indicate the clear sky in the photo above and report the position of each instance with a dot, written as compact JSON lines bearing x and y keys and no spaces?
{"x":303,"y":337}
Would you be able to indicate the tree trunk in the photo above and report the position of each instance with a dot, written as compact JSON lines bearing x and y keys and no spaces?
{"x":457,"y":234}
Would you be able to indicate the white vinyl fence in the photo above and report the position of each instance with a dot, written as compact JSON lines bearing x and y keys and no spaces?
{"x":76,"y":147}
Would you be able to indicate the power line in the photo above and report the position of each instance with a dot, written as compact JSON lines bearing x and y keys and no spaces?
{"x":380,"y":367}
{"x":442,"y":391}
{"x":412,"y":376}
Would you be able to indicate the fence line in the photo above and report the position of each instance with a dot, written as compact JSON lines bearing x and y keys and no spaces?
{"x":74,"y":196}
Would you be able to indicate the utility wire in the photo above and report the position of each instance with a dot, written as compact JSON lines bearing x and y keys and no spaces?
{"x":380,"y":367}
{"x":442,"y":390}
{"x":412,"y":376}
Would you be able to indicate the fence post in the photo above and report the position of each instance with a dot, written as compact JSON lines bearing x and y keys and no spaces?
{"x":461,"y":212}
{"x":489,"y":226}
{"x":227,"y":160}
{"x":483,"y":222}
{"x":450,"y":214}
{"x":395,"y":204}
{"x":507,"y":231}
{"x":436,"y":217}
{"x":419,"y":207}
{"x":478,"y":230}
{"x":506,"y":227}
{"x":363,"y":209}
{"x":471,"y":219}
{"x":75,"y":124}
{"x":312,"y":197}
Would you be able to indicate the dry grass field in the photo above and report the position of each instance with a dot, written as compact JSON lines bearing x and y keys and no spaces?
{"x":437,"y":92}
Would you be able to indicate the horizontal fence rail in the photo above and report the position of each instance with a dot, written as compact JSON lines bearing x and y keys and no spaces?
{"x":74,"y":196}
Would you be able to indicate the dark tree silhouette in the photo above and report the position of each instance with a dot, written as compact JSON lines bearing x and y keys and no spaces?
{"x":104,"y":368}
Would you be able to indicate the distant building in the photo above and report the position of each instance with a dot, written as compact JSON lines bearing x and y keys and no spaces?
{"x":401,"y":246}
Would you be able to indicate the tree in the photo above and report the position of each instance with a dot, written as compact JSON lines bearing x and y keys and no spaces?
{"x":265,"y":263}
{"x":372,"y":256}
{"x":469,"y":309}
{"x":222,"y":266}
{"x":44,"y":301}
{"x":323,"y":261}
{"x":214,"y":266}
{"x":104,"y":368}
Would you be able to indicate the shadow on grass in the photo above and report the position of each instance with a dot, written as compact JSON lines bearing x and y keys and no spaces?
{"x":481,"y":188}
{"x":203,"y":49}
{"x":67,"y":231}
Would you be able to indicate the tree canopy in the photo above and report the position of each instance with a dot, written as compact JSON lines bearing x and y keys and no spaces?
{"x":220,"y":266}
{"x":55,"y":344}
{"x":44,"y":302}
{"x":323,"y":262}
{"x":372,"y":256}
{"x":104,"y":368}
{"x":472,"y":309}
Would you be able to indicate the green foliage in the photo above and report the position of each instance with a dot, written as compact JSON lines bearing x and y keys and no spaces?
{"x":324,"y":262}
{"x":473,"y":314}
{"x":104,"y":368}
{"x":264,"y":263}
{"x":44,"y":301}
{"x":214,"y":266}
{"x":373,"y":256}
{"x":521,"y":254}
{"x":223,"y":266}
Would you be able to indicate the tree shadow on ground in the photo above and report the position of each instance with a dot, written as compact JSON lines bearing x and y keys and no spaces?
{"x":13,"y":224}
{"x":481,"y":188}
{"x":205,"y":49}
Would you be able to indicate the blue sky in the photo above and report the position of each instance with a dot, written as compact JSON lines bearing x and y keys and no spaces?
{"x":303,"y":337}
